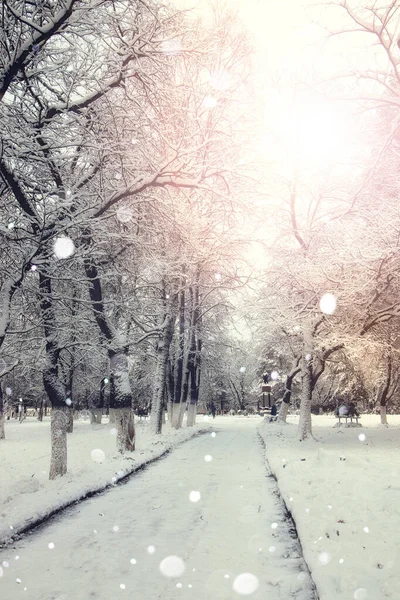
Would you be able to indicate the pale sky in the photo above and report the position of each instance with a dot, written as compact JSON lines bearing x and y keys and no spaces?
{"x":282,"y":29}
{"x":287,"y":38}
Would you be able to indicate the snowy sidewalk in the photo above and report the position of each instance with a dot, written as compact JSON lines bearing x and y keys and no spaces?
{"x":112,"y":546}
{"x":344,"y":494}
{"x":27,"y":495}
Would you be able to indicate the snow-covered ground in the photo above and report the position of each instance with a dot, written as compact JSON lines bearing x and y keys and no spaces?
{"x":344,"y":494}
{"x":203,"y":522}
{"x":27,"y":495}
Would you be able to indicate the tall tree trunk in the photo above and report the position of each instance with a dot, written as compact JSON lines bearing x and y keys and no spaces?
{"x":185,"y":391}
{"x":194,"y":394}
{"x":283,"y":412}
{"x":121,"y":397}
{"x":111,"y":416}
{"x":67,"y":364}
{"x":70,"y":419}
{"x":304,"y":429}
{"x":237,"y":394}
{"x":191,"y":417}
{"x":121,"y":401}
{"x":383,"y":415}
{"x":170,"y":393}
{"x":182,"y":409}
{"x":178,"y":391}
{"x":194,"y":358}
{"x":284,"y":409}
{"x":95,"y":415}
{"x":69,"y":383}
{"x":385,"y":391}
{"x":162,"y":353}
{"x":96,"y":411}
{"x":7,"y":292}
{"x":2,"y":431}
{"x":40,"y":413}
{"x":59,"y":422}
{"x":53,"y":384}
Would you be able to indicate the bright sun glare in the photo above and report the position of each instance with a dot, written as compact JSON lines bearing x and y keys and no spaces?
{"x":314,"y":131}
{"x":307,"y":131}
{"x":301,"y":128}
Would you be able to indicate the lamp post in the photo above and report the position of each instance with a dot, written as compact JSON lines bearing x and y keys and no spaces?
{"x":266,"y":389}
{"x":242,"y":372}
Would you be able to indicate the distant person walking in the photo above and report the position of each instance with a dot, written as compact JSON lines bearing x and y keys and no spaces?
{"x":213,"y":410}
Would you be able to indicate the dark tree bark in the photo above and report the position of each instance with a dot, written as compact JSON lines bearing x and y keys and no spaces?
{"x":177,"y":412}
{"x":2,"y":432}
{"x":53,"y":383}
{"x":384,"y":395}
{"x":162,"y":353}
{"x":194,"y":356}
{"x":288,"y":390}
{"x":121,"y":397}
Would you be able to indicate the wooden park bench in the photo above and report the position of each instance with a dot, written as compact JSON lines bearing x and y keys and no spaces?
{"x":346,"y":417}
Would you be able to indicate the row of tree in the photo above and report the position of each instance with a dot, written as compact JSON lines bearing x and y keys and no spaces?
{"x":130,"y":194}
{"x":122,"y":123}
{"x":336,"y":221}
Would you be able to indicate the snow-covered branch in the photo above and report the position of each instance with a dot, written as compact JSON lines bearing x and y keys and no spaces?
{"x":41,"y":35}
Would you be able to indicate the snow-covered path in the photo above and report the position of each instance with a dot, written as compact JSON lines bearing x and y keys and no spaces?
{"x":111,"y":546}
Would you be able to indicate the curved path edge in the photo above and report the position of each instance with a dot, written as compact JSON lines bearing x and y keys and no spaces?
{"x":288,"y":514}
{"x":25,"y":528}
